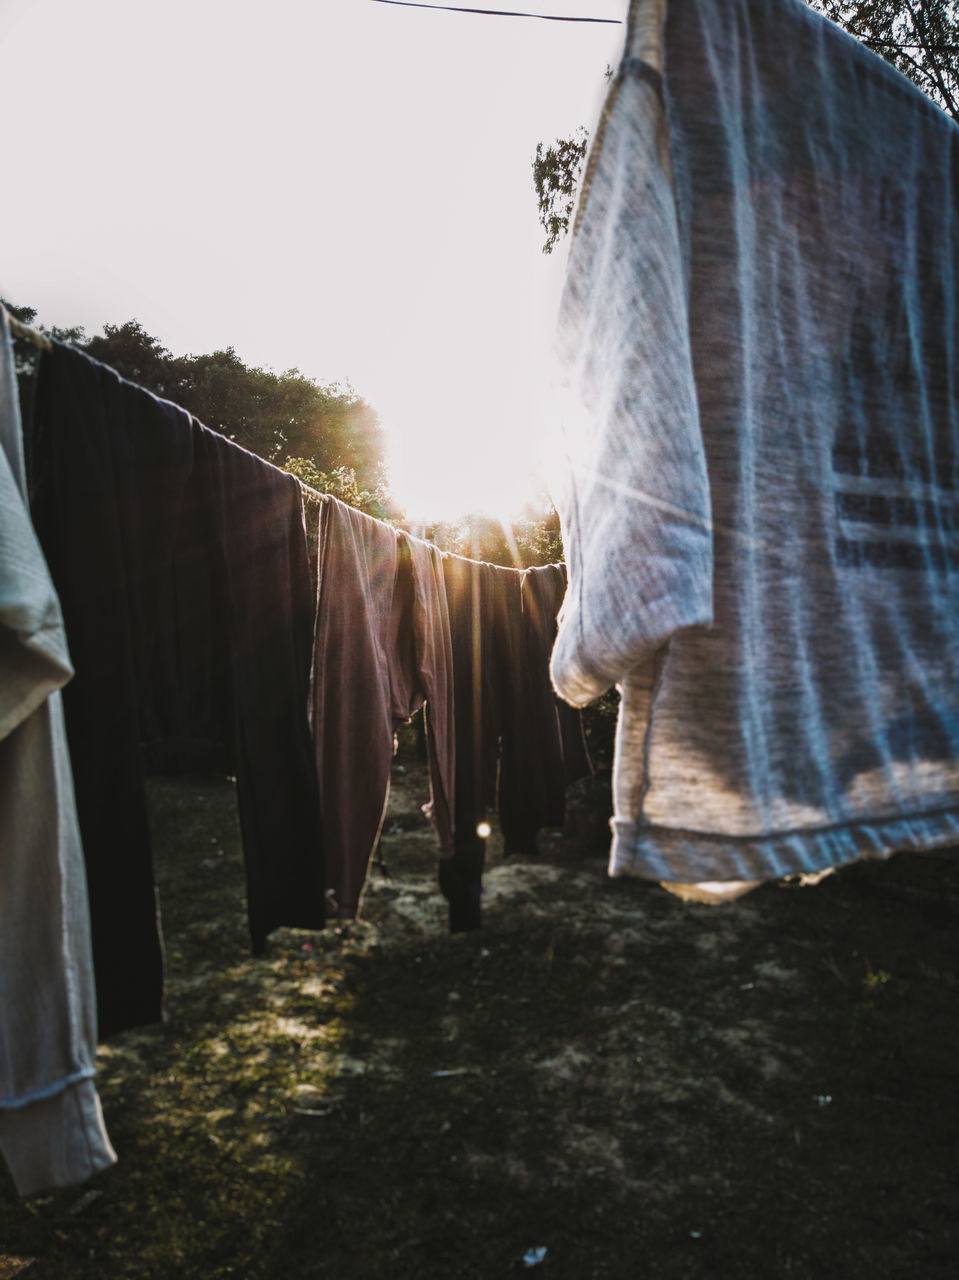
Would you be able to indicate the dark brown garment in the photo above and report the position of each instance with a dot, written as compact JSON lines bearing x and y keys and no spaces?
{"x":475,"y":702}
{"x":515,"y":749}
{"x":382,"y":649}
{"x":550,"y":760}
{"x":180,"y":562}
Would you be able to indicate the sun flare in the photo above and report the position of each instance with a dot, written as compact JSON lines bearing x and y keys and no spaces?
{"x":459,"y":461}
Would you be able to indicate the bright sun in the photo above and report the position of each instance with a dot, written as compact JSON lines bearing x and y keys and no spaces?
{"x":454,"y":457}
{"x":448,"y":480}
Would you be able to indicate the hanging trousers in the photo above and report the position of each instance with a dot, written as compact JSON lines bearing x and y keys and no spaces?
{"x":382,"y":650}
{"x":515,"y":748}
{"x":180,"y":562}
{"x":551,"y":751}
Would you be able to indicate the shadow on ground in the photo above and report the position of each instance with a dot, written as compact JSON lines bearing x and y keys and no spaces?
{"x":640,"y":1086}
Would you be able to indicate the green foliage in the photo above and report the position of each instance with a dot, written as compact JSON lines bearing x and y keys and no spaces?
{"x":327,"y":436}
{"x":273,"y":415}
{"x":919,"y":37}
{"x":26,"y":315}
{"x":136,"y":356}
{"x":599,"y":725}
{"x":327,"y":428}
{"x":26,"y":357}
{"x":341,"y":483}
{"x":518,"y":543}
{"x":556,"y":171}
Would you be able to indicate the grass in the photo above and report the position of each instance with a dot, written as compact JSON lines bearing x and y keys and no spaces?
{"x":641,"y":1086}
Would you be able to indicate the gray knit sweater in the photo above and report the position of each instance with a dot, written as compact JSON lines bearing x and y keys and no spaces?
{"x":760,"y":509}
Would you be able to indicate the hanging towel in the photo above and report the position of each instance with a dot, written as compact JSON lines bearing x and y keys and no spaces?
{"x":382,"y":649}
{"x":51,"y":1126}
{"x":180,"y":561}
{"x":760,"y":511}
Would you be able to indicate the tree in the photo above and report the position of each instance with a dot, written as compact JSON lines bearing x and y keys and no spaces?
{"x":341,"y":483}
{"x":919,"y":37}
{"x":556,"y":171}
{"x":274,"y":415}
{"x":329,"y":429}
{"x":134,"y":354}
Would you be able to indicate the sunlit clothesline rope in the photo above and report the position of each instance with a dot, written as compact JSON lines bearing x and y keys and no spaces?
{"x":312,"y":497}
{"x":21,"y":330}
{"x":39,"y":339}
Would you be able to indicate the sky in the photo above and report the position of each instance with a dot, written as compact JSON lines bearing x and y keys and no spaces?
{"x":338,"y":186}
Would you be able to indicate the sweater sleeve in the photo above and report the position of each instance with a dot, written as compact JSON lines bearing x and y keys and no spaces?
{"x":633,"y":492}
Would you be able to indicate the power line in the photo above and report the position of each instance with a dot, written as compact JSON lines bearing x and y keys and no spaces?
{"x":499,"y":13}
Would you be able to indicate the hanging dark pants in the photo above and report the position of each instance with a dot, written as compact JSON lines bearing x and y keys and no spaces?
{"x":268,"y":605}
{"x":181,"y":567}
{"x":515,"y":749}
{"x":469,"y":596}
{"x":548,"y":750}
{"x":382,"y":650}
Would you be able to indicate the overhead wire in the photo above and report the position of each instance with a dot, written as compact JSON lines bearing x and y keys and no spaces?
{"x":499,"y":13}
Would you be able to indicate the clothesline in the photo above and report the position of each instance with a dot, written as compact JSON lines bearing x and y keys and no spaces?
{"x":21,"y":330}
{"x":39,"y":339}
{"x":315,"y":496}
{"x":497,"y":13}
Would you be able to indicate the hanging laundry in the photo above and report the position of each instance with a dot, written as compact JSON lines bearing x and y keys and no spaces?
{"x":180,"y":560}
{"x":52,"y":1132}
{"x":476,"y":706}
{"x":269,"y":607}
{"x":382,"y":650}
{"x":760,"y":333}
{"x":549,"y":750}
{"x":513,"y":750}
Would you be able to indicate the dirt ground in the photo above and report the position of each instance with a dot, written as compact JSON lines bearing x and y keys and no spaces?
{"x":603,"y":1082}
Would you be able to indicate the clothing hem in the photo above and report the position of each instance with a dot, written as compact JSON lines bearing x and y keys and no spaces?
{"x":58,"y":1142}
{"x":659,"y":853}
{"x":49,"y":1091}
